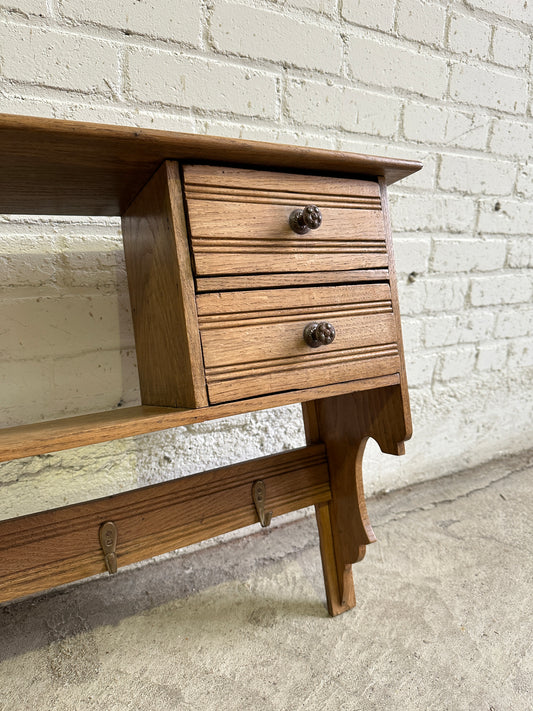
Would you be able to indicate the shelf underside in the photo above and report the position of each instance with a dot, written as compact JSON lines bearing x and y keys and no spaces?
{"x":52,"y":167}
{"x":69,"y":433}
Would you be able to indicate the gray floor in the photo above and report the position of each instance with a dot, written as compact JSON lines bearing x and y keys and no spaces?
{"x":443,"y":621}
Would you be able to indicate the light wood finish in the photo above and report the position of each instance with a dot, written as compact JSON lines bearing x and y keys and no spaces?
{"x":52,"y":167}
{"x":404,"y":391}
{"x":262,"y":281}
{"x":239,"y":222}
{"x":242,"y":303}
{"x":253,"y":341}
{"x":82,"y":430}
{"x":344,"y":424}
{"x":169,"y":354}
{"x":62,"y":545}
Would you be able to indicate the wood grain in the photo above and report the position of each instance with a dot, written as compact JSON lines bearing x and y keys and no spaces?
{"x":82,"y":430}
{"x":396,"y":309}
{"x":344,"y":423}
{"x":253,"y":340}
{"x":262,"y":281}
{"x":62,"y":545}
{"x":162,"y":297}
{"x":239,"y":222}
{"x":52,"y":167}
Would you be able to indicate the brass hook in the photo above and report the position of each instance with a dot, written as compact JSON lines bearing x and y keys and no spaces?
{"x":259,"y":496}
{"x":108,"y":540}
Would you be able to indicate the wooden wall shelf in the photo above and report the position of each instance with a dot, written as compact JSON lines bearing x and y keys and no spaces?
{"x":234,"y":311}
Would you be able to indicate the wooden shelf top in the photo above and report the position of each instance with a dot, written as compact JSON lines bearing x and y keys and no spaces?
{"x":53,"y":167}
{"x":81,"y":430}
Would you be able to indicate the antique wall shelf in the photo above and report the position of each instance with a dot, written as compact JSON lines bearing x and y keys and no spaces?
{"x":259,"y":275}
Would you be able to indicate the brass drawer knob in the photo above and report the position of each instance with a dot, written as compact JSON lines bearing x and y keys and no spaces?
{"x":301,"y":221}
{"x":319,"y":334}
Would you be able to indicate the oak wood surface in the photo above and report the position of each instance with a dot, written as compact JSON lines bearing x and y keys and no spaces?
{"x":62,"y":545}
{"x":239,"y":222}
{"x":55,"y":167}
{"x":161,"y":287}
{"x":344,"y":423}
{"x":253,"y":340}
{"x":262,"y":281}
{"x":82,"y":430}
{"x":396,"y":310}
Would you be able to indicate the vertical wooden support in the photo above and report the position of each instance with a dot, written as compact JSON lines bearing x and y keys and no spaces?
{"x":163,"y":303}
{"x":344,"y":423}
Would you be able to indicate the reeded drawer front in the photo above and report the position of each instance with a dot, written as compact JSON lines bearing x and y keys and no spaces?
{"x":239,"y":222}
{"x":253,"y":341}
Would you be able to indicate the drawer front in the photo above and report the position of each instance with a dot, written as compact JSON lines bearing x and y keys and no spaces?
{"x":239,"y":222}
{"x":253,"y":341}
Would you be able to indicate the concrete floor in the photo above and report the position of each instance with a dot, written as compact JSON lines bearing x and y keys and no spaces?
{"x":444,"y":617}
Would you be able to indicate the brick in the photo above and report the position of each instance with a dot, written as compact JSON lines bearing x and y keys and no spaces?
{"x":424,"y":123}
{"x":58,"y":59}
{"x":420,"y":368}
{"x":446,"y":295}
{"x":325,"y":7}
{"x":94,"y":376}
{"x":25,"y":381}
{"x":520,"y":253}
{"x":34,"y":7}
{"x":411,"y":295}
{"x":431,"y":124}
{"x":491,"y":356}
{"x":521,"y":11}
{"x":342,"y":107}
{"x":441,"y":330}
{"x":368,"y":13}
{"x":396,"y":67}
{"x":465,"y":255}
{"x":199,"y":83}
{"x":411,"y":330}
{"x":510,"y":47}
{"x":501,"y":289}
{"x":524,"y":184}
{"x":40,"y":327}
{"x":505,"y":217}
{"x":411,"y":254}
{"x":476,"y":325}
{"x":457,"y":363}
{"x":264,"y":34}
{"x":488,"y":87}
{"x":166,"y":19}
{"x":28,"y":262}
{"x":476,"y":175}
{"x":512,"y":138}
{"x":521,"y":354}
{"x":468,"y":35}
{"x":421,"y":21}
{"x":467,"y":130}
{"x":513,"y":323}
{"x":432,"y":213}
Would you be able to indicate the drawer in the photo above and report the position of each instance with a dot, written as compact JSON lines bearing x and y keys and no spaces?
{"x":253,"y":341}
{"x":239,"y":222}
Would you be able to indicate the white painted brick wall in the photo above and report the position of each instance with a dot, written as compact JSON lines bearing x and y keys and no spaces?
{"x":447,"y":83}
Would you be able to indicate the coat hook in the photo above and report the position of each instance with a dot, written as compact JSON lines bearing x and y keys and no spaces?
{"x":259,"y":496}
{"x":108,"y":541}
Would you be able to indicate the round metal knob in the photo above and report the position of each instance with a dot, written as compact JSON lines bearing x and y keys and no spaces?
{"x":301,"y":221}
{"x":319,"y":334}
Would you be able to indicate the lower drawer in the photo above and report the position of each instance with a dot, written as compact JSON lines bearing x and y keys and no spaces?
{"x":253,"y":341}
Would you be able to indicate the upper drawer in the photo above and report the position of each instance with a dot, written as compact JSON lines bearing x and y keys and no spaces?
{"x":239,"y":222}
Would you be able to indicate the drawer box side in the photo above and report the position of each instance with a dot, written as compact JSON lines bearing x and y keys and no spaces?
{"x":162,"y":296}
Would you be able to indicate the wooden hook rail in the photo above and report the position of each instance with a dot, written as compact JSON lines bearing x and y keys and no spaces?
{"x":62,"y":545}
